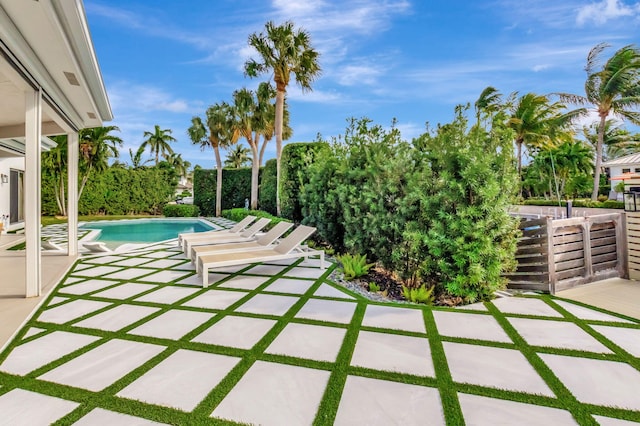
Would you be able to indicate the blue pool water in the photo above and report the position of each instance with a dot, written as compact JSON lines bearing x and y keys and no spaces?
{"x":144,"y":230}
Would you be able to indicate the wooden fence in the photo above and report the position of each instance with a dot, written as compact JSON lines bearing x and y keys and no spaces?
{"x":554,"y":255}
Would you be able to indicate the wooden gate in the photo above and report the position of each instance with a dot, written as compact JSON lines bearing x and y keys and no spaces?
{"x":554,"y":255}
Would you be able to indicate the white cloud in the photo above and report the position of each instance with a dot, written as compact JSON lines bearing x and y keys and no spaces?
{"x":361,"y":16}
{"x":540,"y":67}
{"x":605,"y":10}
{"x":126,"y":96}
{"x":294,"y":93}
{"x":351,"y":75}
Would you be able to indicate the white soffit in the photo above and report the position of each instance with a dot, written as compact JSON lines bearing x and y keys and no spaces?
{"x":50,"y":39}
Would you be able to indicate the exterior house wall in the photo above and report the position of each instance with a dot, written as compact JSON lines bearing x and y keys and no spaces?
{"x":6,"y":165}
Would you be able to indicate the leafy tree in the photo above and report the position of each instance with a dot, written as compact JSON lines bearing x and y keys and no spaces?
{"x":247,"y":122}
{"x":54,"y":162}
{"x":217,"y":131}
{"x":159,"y":142}
{"x":283,"y":51}
{"x":238,"y":157}
{"x":136,"y":159}
{"x":613,"y":88}
{"x":180,"y":166}
{"x":535,"y":121}
{"x":489,"y":103}
{"x":617,"y":142}
{"x":97,"y":146}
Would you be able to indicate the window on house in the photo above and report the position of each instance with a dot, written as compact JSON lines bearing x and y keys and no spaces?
{"x":626,"y":170}
{"x":16,"y":184}
{"x":637,"y":170}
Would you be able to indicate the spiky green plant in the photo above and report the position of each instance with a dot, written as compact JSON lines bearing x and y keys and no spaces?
{"x":354,"y":266}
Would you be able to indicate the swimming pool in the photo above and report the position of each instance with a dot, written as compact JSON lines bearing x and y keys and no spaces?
{"x":117,"y":232}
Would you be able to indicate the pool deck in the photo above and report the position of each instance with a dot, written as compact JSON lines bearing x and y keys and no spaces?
{"x":133,"y":338}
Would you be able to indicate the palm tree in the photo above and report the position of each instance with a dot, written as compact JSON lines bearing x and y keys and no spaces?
{"x":55,"y":162}
{"x":158,"y":142}
{"x":612,"y":89}
{"x":97,"y":145}
{"x":283,"y":51}
{"x":217,"y":131}
{"x":245,"y":123}
{"x":136,"y":159}
{"x":535,"y":121}
{"x":572,"y":158}
{"x":617,"y":142}
{"x":179,"y":165}
{"x":238,"y":157}
{"x":489,"y":102}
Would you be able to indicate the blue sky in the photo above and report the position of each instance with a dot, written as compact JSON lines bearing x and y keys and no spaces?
{"x":164,"y":61}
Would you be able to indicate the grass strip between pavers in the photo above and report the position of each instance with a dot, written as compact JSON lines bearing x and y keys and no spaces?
{"x":577,"y":409}
{"x":339,"y":371}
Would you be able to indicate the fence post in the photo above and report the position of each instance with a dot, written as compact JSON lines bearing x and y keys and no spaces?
{"x":586,"y":244}
{"x":551,"y":264}
{"x":621,"y":245}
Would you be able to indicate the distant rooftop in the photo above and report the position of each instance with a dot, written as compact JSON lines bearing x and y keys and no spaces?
{"x":623,"y":161}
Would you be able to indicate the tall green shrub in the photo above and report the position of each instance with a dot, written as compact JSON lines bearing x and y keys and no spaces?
{"x":434,"y":211}
{"x":295,"y":162}
{"x":236,"y":188}
{"x":267,"y":188}
{"x":463,"y":237}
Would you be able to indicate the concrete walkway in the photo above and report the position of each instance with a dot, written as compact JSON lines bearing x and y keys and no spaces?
{"x":615,"y":294}
{"x":132,"y":338}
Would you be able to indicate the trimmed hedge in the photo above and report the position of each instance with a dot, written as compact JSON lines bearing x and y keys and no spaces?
{"x":236,"y":188}
{"x":267,"y":187}
{"x":181,"y":210}
{"x":119,"y":191}
{"x":295,"y":163}
{"x":238,"y":214}
{"x":609,"y":204}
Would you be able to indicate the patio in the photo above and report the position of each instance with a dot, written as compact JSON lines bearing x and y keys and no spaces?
{"x":282,"y":344}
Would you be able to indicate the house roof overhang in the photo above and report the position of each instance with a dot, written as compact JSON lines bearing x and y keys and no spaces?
{"x":46,"y":45}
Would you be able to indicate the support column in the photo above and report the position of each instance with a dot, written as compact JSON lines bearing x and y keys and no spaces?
{"x":72,"y":193}
{"x":33,"y":135}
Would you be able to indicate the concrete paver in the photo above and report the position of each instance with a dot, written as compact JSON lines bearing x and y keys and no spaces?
{"x":275,"y":394}
{"x":24,"y":408}
{"x":327,"y":310}
{"x":268,"y":304}
{"x":325,"y":290}
{"x":117,"y":318}
{"x":627,"y":338}
{"x":99,"y":416}
{"x":70,"y":311}
{"x":484,"y":411}
{"x":368,"y":401}
{"x":43,"y":350}
{"x":125,"y":291}
{"x":394,"y":318}
{"x":100,"y":367}
{"x":522,"y":306}
{"x":599,"y":382}
{"x":287,"y":285}
{"x":308,"y":341}
{"x":236,"y":332}
{"x":200,"y":372}
{"x":393,"y":352}
{"x":493,"y":367}
{"x":470,"y":326}
{"x":556,"y":334}
{"x":172,"y":325}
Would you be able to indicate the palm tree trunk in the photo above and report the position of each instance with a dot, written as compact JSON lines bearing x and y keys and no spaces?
{"x":85,"y":178}
{"x":596,"y":175}
{"x":263,"y":148}
{"x":218,"y":181}
{"x":255,"y":171}
{"x":519,"y":144}
{"x":278,"y":127}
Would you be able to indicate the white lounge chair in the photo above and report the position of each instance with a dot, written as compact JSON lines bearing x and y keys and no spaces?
{"x":289,"y":248}
{"x":237,"y":228}
{"x":230,"y":237}
{"x":264,"y":241}
{"x":96,"y":247}
{"x":50,"y":245}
